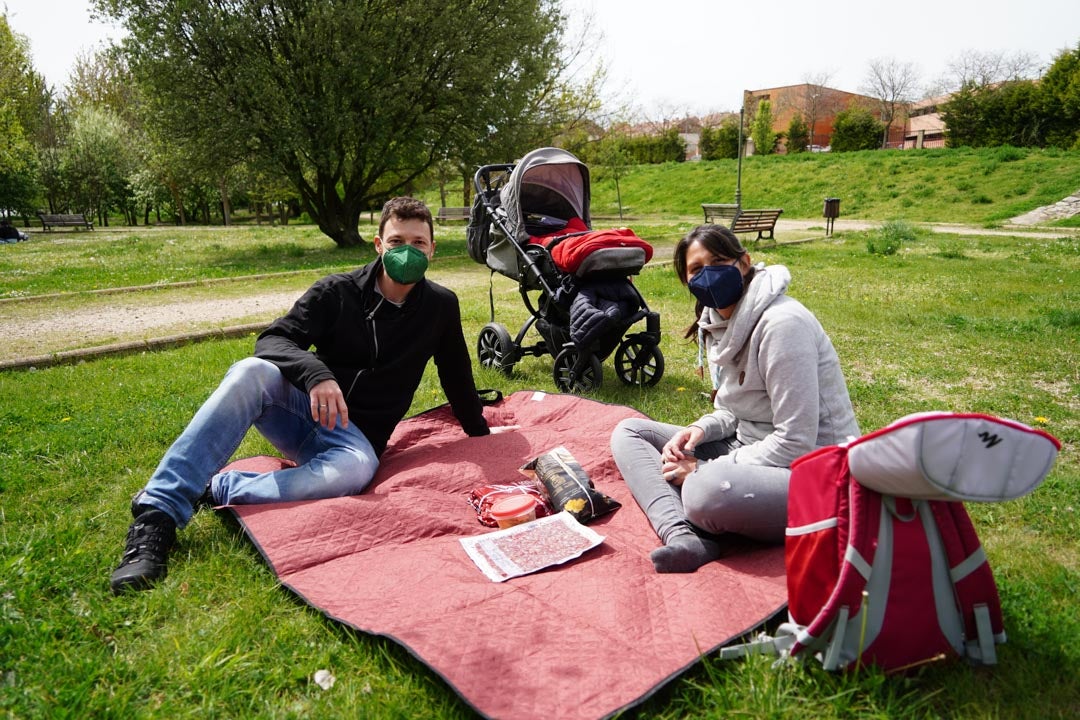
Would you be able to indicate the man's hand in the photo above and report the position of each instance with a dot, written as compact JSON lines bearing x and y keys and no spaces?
{"x":328,"y":405}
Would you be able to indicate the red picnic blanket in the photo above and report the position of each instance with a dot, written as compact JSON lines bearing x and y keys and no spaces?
{"x":576,"y":641}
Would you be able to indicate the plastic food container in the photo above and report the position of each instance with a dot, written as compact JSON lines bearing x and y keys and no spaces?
{"x":514,"y":510}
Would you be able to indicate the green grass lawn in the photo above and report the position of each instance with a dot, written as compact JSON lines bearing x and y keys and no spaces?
{"x":978,"y":323}
{"x":978,"y":187}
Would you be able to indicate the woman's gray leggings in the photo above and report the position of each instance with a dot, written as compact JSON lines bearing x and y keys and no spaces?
{"x":718,"y":497}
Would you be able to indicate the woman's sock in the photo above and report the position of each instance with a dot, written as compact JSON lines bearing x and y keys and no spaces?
{"x":685,"y":553}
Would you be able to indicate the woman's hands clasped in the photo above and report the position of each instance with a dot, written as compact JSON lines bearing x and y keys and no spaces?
{"x":677,"y":456}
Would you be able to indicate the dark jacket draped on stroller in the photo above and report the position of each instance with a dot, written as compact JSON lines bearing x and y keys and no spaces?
{"x":531,"y":222}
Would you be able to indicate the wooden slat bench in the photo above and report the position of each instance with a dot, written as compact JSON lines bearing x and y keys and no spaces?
{"x":761,"y":221}
{"x":48,"y":222}
{"x":723,"y":211}
{"x":452,"y":213}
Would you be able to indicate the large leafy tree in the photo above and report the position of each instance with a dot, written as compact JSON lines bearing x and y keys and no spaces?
{"x":97,"y":162}
{"x":18,"y":165}
{"x":351,"y":100}
{"x":1005,"y":114}
{"x":564,"y":102}
{"x":1019,"y":112}
{"x":963,"y":118}
{"x":1060,"y":87}
{"x":102,"y":79}
{"x":23,"y":98}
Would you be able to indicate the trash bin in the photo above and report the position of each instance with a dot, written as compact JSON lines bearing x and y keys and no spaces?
{"x":831,"y":211}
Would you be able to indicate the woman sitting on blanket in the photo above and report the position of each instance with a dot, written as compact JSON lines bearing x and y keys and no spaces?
{"x":780,"y":393}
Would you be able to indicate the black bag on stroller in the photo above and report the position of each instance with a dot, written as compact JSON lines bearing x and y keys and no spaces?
{"x":530,"y":222}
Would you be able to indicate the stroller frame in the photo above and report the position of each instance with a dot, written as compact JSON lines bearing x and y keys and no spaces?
{"x":638,"y":360}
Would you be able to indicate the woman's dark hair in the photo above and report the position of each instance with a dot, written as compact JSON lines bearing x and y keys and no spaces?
{"x":718,"y":240}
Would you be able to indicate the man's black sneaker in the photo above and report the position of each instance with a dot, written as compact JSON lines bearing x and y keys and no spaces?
{"x":149,"y":539}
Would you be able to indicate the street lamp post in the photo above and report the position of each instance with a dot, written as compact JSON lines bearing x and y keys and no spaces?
{"x":738,"y":174}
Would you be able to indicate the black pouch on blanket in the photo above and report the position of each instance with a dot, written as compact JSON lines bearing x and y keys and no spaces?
{"x":568,"y":485}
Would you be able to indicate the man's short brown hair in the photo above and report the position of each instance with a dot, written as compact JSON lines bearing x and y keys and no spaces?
{"x":406,"y":208}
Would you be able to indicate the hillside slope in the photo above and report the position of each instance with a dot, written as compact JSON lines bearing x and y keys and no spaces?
{"x":981,"y":187}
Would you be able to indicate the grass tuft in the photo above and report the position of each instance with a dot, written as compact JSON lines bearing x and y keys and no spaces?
{"x":888,"y":239}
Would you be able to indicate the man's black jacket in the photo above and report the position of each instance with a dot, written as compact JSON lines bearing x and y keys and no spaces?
{"x":375,"y":350}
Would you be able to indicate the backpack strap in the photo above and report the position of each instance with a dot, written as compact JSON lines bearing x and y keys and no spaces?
{"x":860,"y":523}
{"x":772,"y":646}
{"x":973,"y":582}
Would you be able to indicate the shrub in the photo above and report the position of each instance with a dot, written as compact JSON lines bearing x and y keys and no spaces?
{"x":856,"y":129}
{"x":761,"y":129}
{"x":720,"y":143}
{"x":798,"y":134}
{"x":888,"y":238}
{"x":1008,"y":153}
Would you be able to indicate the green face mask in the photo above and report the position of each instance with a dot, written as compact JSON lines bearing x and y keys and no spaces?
{"x":405,"y":264}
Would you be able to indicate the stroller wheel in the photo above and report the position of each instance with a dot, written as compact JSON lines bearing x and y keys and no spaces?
{"x":639,"y":363}
{"x":577,"y":373}
{"x":495,"y":349}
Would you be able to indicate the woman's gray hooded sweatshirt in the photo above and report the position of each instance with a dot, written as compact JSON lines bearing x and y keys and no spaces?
{"x":780,"y":389}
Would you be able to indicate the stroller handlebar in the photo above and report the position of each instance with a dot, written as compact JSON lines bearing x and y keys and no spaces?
{"x":483,"y":177}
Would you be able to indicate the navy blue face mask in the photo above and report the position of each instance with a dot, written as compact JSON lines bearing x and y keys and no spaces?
{"x":717,"y":286}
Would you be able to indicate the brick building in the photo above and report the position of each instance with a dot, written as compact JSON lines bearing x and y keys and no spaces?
{"x":819,"y":106}
{"x":925,"y":126}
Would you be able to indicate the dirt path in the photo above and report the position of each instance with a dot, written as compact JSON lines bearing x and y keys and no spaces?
{"x":39,"y":329}
{"x":42,"y":330}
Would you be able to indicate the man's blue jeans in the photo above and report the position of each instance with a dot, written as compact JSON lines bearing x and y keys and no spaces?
{"x":330,"y":463}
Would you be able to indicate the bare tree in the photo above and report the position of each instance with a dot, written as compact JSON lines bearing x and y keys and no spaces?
{"x":893,"y":84}
{"x":664,"y":116}
{"x":815,"y":99}
{"x":979,"y":69}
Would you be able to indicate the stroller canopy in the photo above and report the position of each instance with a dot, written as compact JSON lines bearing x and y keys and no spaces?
{"x":547,"y":181}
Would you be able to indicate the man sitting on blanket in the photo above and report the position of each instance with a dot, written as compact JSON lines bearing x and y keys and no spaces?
{"x":332,"y":410}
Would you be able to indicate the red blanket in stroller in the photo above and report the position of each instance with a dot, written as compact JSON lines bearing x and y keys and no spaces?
{"x":577,"y":641}
{"x":572,"y":251}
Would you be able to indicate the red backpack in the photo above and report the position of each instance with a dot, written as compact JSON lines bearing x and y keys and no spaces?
{"x":883,"y":564}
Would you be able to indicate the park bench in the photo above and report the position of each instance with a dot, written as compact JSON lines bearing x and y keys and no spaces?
{"x":452,"y":213}
{"x":761,"y":221}
{"x":48,"y":222}
{"x":723,"y":211}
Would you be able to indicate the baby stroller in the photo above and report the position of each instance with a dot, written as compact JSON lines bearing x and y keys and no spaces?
{"x":530,"y":222}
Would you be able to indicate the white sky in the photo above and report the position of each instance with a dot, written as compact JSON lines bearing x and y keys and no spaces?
{"x":58,"y":30}
{"x":698,"y":56}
